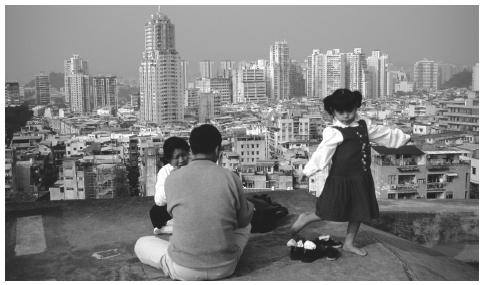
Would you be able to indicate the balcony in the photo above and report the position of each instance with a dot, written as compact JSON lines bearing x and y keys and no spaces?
{"x":437,"y":186}
{"x":405,"y":187}
{"x":438,"y":166}
{"x":408,"y":168}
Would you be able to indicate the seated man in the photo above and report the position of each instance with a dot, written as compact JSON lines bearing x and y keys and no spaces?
{"x":211,"y":216}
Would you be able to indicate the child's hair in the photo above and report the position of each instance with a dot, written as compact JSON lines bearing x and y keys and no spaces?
{"x":204,"y":139}
{"x":171,"y":144}
{"x":342,"y":100}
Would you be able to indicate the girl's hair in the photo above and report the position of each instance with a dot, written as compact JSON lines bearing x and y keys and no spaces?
{"x":342,"y":100}
{"x":171,"y":144}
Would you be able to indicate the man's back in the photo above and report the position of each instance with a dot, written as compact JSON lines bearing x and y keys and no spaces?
{"x":207,"y":205}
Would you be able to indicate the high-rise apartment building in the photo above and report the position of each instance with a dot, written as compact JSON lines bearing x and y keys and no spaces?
{"x":475,"y":77}
{"x":104,"y":92}
{"x":426,"y":75}
{"x":76,"y":85}
{"x":161,"y":97}
{"x":42,"y":89}
{"x":446,"y":71}
{"x":377,"y":75}
{"x":250,"y":83}
{"x":184,"y":74}
{"x":333,"y":74}
{"x":12,"y":93}
{"x":279,"y":71}
{"x":313,"y":83}
{"x":207,"y":69}
{"x":221,"y":85}
{"x":226,"y":68}
{"x":296,"y":79}
{"x":357,"y":65}
{"x":208,"y":106}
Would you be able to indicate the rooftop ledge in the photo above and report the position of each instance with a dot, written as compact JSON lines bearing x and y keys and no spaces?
{"x":73,"y":231}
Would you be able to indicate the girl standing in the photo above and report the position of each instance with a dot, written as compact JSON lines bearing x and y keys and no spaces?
{"x":345,"y":153}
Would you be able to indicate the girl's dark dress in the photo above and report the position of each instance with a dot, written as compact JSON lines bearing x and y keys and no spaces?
{"x":348,"y":193}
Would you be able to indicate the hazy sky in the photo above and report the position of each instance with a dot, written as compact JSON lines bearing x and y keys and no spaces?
{"x":111,"y":38}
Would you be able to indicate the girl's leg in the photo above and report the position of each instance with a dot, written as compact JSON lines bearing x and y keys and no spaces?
{"x":303,"y":220}
{"x":150,"y":250}
{"x":352,"y":229}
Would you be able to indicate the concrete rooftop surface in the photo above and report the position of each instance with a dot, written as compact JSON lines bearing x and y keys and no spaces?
{"x":57,"y":240}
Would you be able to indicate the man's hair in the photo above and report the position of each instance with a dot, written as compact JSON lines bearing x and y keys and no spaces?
{"x":204,"y":139}
{"x":171,"y":144}
{"x":342,"y":100}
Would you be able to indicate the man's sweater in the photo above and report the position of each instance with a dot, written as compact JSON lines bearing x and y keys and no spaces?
{"x":207,"y":204}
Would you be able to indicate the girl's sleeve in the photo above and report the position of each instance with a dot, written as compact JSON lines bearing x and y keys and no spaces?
{"x":385,"y":136}
{"x":322,"y":156}
{"x":160,"y":195}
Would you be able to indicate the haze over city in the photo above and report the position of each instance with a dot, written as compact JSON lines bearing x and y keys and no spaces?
{"x":39,"y":38}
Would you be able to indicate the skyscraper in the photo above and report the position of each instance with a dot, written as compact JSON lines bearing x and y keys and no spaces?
{"x":279,"y":71}
{"x":76,"y":85}
{"x":12,"y":93}
{"x":296,"y":78}
{"x":161,"y":97}
{"x":207,"y":69}
{"x":313,"y":84}
{"x":42,"y":89}
{"x":426,"y":75}
{"x":104,"y":92}
{"x":475,"y":78}
{"x":226,"y":67}
{"x":333,"y":74}
{"x":184,"y":74}
{"x":357,"y":64}
{"x":377,"y":79}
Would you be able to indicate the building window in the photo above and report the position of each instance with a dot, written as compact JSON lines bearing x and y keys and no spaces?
{"x":421,"y":181}
{"x":449,"y":195}
{"x":391,"y":179}
{"x":391,"y":196}
{"x":473,"y":170}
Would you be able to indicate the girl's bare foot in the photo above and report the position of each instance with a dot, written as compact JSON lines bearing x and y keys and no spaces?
{"x":355,"y":250}
{"x":299,"y":224}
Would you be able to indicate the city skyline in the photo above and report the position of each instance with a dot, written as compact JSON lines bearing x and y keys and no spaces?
{"x":36,"y":42}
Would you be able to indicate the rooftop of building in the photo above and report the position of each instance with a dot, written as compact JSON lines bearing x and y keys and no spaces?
{"x":73,"y":231}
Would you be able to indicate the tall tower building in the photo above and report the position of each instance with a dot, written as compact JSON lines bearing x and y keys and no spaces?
{"x":76,"y":85}
{"x":226,"y":68}
{"x":184,"y":74}
{"x":475,"y":77}
{"x":377,"y":81}
{"x":279,"y":71}
{"x":42,"y":89}
{"x":12,"y":93}
{"x":313,"y":83}
{"x":426,"y":75}
{"x":296,"y":78}
{"x":333,"y":74}
{"x":357,"y":64}
{"x":207,"y":69}
{"x":104,"y":92}
{"x":161,"y":97}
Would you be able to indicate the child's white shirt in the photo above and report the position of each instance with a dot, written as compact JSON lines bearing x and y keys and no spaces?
{"x":331,"y":138}
{"x":160,"y":195}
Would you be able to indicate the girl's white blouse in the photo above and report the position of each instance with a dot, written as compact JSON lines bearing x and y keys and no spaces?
{"x":331,"y":138}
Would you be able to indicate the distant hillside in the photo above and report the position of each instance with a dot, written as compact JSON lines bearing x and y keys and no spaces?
{"x":459,"y":80}
{"x":56,"y":80}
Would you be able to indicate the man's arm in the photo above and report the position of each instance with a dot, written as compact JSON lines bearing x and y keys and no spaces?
{"x":245,"y":208}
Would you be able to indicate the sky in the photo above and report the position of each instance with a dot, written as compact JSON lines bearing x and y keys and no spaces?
{"x":111,"y":38}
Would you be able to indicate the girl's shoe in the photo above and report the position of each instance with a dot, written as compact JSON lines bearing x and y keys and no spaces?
{"x":327,"y":240}
{"x":312,"y":251}
{"x":331,"y":253}
{"x":296,"y":249}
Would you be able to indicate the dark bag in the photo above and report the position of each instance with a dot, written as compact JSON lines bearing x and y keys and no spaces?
{"x":267,"y":213}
